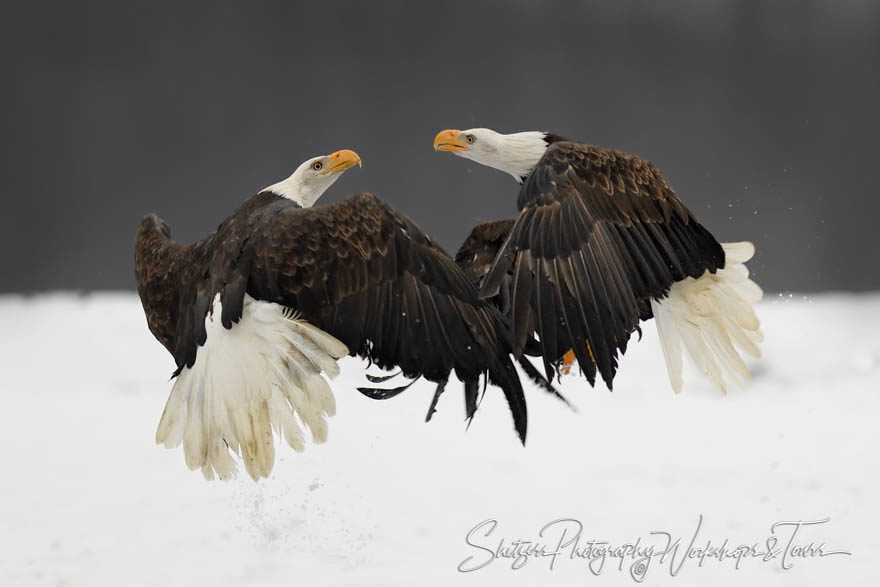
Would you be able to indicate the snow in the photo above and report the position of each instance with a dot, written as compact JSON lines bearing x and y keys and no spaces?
{"x":88,"y":499}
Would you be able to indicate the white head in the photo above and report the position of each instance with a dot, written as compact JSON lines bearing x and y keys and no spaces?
{"x":314,"y":176}
{"x":516,"y":154}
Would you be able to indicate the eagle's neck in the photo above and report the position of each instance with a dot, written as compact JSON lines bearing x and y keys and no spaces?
{"x":303,"y":187}
{"x":292,"y":188}
{"x":517,"y":153}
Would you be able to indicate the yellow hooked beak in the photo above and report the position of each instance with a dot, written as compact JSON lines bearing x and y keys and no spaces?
{"x":340,"y":161}
{"x":450,"y":140}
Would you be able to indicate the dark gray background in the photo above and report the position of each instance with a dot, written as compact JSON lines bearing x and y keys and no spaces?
{"x":762,"y":115}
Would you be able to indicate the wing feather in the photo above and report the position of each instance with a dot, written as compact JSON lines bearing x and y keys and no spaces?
{"x":600,"y":233}
{"x":369,"y":276}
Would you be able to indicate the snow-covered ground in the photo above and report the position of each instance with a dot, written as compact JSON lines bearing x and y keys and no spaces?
{"x":88,"y":499}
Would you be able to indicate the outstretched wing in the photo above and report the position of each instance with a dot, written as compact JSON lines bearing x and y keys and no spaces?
{"x":370,"y":277}
{"x":599,"y":234}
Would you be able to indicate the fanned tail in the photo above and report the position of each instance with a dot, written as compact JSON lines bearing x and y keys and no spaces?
{"x":264,"y":373}
{"x":711,"y":319}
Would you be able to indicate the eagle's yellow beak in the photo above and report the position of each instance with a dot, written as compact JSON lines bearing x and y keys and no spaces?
{"x":450,"y":140}
{"x":340,"y":161}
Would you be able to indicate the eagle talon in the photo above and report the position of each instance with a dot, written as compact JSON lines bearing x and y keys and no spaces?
{"x":567,"y":360}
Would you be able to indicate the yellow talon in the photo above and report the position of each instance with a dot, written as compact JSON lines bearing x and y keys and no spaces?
{"x":569,"y":358}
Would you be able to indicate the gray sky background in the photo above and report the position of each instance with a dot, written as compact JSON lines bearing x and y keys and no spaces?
{"x":763,"y":116}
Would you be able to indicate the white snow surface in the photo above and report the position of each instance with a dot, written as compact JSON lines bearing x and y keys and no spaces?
{"x":89,"y":499}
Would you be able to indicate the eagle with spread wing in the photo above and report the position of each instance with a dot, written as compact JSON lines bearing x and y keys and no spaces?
{"x":257,"y":314}
{"x":601,"y":243}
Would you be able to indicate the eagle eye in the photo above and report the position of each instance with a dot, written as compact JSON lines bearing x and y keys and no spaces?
{"x":471,"y":139}
{"x":317,"y":165}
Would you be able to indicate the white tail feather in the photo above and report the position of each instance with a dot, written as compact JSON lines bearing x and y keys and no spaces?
{"x":264,"y":373}
{"x":710,"y":318}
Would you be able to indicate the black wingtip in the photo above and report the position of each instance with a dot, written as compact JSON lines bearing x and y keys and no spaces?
{"x":543,"y":382}
{"x":385,"y":393}
{"x":432,"y":409}
{"x":382,"y":378}
{"x":521,"y":431}
{"x":506,"y":377}
{"x":608,"y":376}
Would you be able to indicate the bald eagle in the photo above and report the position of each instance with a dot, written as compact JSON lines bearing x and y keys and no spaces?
{"x":601,"y":243}
{"x":256,"y":315}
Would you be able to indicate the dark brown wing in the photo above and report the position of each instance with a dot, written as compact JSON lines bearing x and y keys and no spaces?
{"x":475,"y":257}
{"x":600,"y":232}
{"x":356,"y":269}
{"x":478,"y":250}
{"x":370,"y":277}
{"x":157,"y":263}
{"x":477,"y":253}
